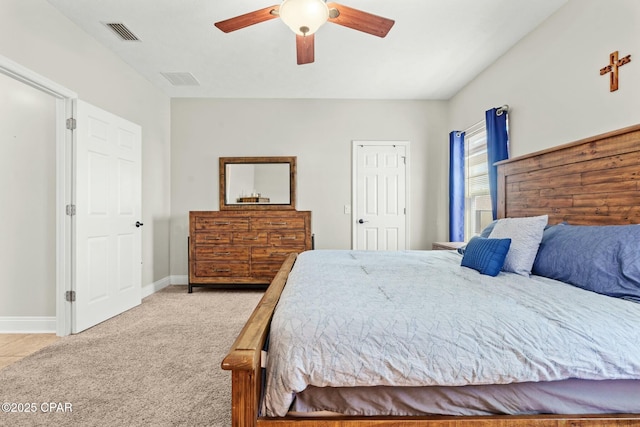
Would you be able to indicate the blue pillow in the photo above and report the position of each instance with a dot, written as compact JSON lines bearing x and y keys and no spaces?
{"x":603,"y":259}
{"x":486,"y":255}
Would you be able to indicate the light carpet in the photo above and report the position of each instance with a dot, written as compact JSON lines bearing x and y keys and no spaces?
{"x":157,"y":364}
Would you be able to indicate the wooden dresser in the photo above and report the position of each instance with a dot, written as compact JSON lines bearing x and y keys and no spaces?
{"x":244,"y":247}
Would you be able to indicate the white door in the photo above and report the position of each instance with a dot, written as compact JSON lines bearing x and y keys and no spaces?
{"x":107,"y":279}
{"x":380,"y":195}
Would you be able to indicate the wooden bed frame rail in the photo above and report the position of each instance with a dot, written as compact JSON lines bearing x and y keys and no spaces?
{"x":244,"y":357}
{"x":592,"y":181}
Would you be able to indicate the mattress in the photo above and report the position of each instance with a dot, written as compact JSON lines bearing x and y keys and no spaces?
{"x":418,"y":319}
{"x":572,"y":396}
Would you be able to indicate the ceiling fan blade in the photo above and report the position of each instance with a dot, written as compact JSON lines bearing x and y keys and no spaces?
{"x":361,"y":21}
{"x":248,"y":19}
{"x":305,"y":49}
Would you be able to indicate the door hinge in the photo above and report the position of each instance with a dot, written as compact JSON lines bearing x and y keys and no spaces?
{"x":71,"y":123}
{"x":70,"y":296}
{"x":71,"y":210}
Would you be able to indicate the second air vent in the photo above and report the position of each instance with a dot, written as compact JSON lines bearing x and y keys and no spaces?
{"x":181,"y":79}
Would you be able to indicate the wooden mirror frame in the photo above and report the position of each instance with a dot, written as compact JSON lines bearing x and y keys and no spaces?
{"x":224,"y":161}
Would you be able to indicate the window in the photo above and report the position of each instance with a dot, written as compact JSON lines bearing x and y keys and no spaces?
{"x":477,"y":205}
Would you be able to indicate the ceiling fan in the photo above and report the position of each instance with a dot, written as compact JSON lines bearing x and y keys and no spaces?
{"x":304,"y":17}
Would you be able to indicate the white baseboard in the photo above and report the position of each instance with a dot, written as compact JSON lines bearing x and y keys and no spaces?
{"x":163,"y":283}
{"x":180,"y":279}
{"x":47,"y":324}
{"x":155,"y":286}
{"x":28,"y":325}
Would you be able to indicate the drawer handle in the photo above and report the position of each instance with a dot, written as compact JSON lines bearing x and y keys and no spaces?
{"x":287,"y":237}
{"x":213,"y":238}
{"x":250,"y":238}
{"x":221,"y":253}
{"x":221,"y":223}
{"x":277,"y":223}
{"x":222,"y":270}
{"x":278,"y":253}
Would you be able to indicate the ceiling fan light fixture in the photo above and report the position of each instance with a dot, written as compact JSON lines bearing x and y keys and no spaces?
{"x":304,"y":17}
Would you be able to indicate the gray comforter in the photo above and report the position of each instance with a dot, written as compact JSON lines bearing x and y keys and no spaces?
{"x":417,"y":318}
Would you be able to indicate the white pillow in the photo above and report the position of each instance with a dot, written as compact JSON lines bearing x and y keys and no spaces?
{"x":525,"y":235}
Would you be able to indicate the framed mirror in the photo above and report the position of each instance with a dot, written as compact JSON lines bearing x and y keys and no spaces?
{"x":257,"y":183}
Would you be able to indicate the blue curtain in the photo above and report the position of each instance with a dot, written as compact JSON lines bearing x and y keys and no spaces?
{"x":456,"y":186}
{"x":497,"y":148}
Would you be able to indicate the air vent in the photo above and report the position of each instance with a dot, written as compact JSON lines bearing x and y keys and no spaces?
{"x":181,"y":79}
{"x":122,"y":31}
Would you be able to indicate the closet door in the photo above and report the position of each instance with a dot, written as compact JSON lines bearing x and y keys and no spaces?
{"x":380,"y":196}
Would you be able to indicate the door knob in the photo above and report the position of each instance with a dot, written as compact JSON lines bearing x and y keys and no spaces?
{"x":139,"y":224}
{"x":362,"y":221}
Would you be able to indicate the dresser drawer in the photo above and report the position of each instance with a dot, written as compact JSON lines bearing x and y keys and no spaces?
{"x":222,"y":253}
{"x":287,"y":238}
{"x":250,"y":238}
{"x":220,"y":269}
{"x":275,"y":223}
{"x":270,"y":254}
{"x":265,"y":270}
{"x":206,"y":237}
{"x":222,"y":223}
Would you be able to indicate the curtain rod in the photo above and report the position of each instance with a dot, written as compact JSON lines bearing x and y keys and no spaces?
{"x":503,"y":109}
{"x":499,"y":111}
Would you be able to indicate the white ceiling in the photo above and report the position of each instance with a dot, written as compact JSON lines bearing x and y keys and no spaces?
{"x":434,"y":49}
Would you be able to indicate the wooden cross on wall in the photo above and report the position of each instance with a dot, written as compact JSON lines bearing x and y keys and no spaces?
{"x":612,"y":68}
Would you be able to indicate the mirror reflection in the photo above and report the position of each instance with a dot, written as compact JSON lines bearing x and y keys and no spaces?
{"x":257,"y":183}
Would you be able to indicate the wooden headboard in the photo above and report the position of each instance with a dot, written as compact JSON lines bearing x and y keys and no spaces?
{"x":594,"y":181}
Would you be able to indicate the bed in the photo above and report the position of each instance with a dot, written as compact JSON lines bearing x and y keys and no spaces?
{"x":590,"y":182}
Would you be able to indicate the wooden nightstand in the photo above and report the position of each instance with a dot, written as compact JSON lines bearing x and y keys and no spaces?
{"x":447,"y":246}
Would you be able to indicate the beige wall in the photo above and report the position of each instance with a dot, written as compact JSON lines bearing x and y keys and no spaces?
{"x":551,"y":78}
{"x":38,"y":37}
{"x":319,"y":133}
{"x":27,"y":200}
